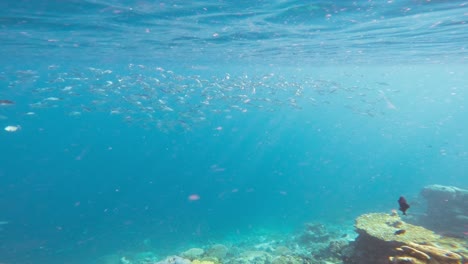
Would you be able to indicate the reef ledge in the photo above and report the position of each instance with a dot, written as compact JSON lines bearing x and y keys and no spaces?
{"x":386,"y":238}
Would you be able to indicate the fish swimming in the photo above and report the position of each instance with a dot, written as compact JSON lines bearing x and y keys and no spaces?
{"x":6,"y":102}
{"x":399,"y":232}
{"x":403,"y":204}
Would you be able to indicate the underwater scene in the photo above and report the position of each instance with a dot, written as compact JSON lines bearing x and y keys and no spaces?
{"x":233,"y":132}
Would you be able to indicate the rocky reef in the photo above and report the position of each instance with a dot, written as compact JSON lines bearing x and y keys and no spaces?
{"x":438,"y":237}
{"x":447,"y":209}
{"x":315,"y":243}
{"x":386,"y":238}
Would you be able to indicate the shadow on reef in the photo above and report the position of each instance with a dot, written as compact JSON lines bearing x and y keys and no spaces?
{"x":382,"y":239}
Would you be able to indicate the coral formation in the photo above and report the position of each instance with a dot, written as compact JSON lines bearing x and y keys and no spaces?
{"x":198,"y":261}
{"x":335,"y":249}
{"x":384,"y":227}
{"x":315,"y":244}
{"x":313,"y":233}
{"x":174,"y":260}
{"x":287,"y":260}
{"x":193,"y":253}
{"x":382,"y":239}
{"x":423,"y":254}
{"x":378,"y":243}
{"x":282,"y":250}
{"x":447,"y":209}
{"x":253,"y":257}
{"x":218,"y":251}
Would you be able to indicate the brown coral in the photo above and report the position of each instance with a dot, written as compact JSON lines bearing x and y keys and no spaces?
{"x":425,"y":254}
{"x":405,"y":260}
{"x":440,"y":255}
{"x":414,"y":253}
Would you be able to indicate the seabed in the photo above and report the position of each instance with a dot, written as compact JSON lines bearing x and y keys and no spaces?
{"x":375,"y":238}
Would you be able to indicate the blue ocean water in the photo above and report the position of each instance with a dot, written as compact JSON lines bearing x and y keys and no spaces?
{"x":160,"y":125}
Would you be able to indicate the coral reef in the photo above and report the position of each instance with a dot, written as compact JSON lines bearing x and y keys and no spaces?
{"x":313,"y":233}
{"x":287,"y":260}
{"x":335,"y":250}
{"x":218,"y":251}
{"x":282,"y":250}
{"x":447,"y":209}
{"x":253,"y":257}
{"x":193,"y":253}
{"x":415,"y":253}
{"x":316,"y":243}
{"x":385,"y":227}
{"x":381,"y":240}
{"x":174,"y":260}
{"x":198,"y":261}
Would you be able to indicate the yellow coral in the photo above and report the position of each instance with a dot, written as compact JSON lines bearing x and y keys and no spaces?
{"x":198,"y":261}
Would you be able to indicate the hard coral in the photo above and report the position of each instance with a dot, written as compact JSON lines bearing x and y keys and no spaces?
{"x":384,"y":226}
{"x":174,"y":260}
{"x":424,"y":254}
{"x":405,"y":260}
{"x":438,"y":255}
{"x":218,"y":251}
{"x":193,"y":253}
{"x":380,"y":242}
{"x":198,"y":261}
{"x":405,"y":250}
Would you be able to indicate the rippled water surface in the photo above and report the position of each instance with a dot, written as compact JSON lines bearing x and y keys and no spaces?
{"x":253,"y":31}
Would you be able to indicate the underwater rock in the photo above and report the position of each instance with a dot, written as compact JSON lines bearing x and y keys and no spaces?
{"x":443,"y":194}
{"x":218,"y":251}
{"x":379,"y":242}
{"x":447,"y":209}
{"x":193,"y":253}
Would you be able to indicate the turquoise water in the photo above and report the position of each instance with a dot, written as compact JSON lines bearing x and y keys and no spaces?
{"x":151,"y":125}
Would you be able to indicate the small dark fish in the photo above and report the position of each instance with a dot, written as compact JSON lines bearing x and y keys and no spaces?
{"x":403,"y":204}
{"x":400,"y":232}
{"x":6,"y":102}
